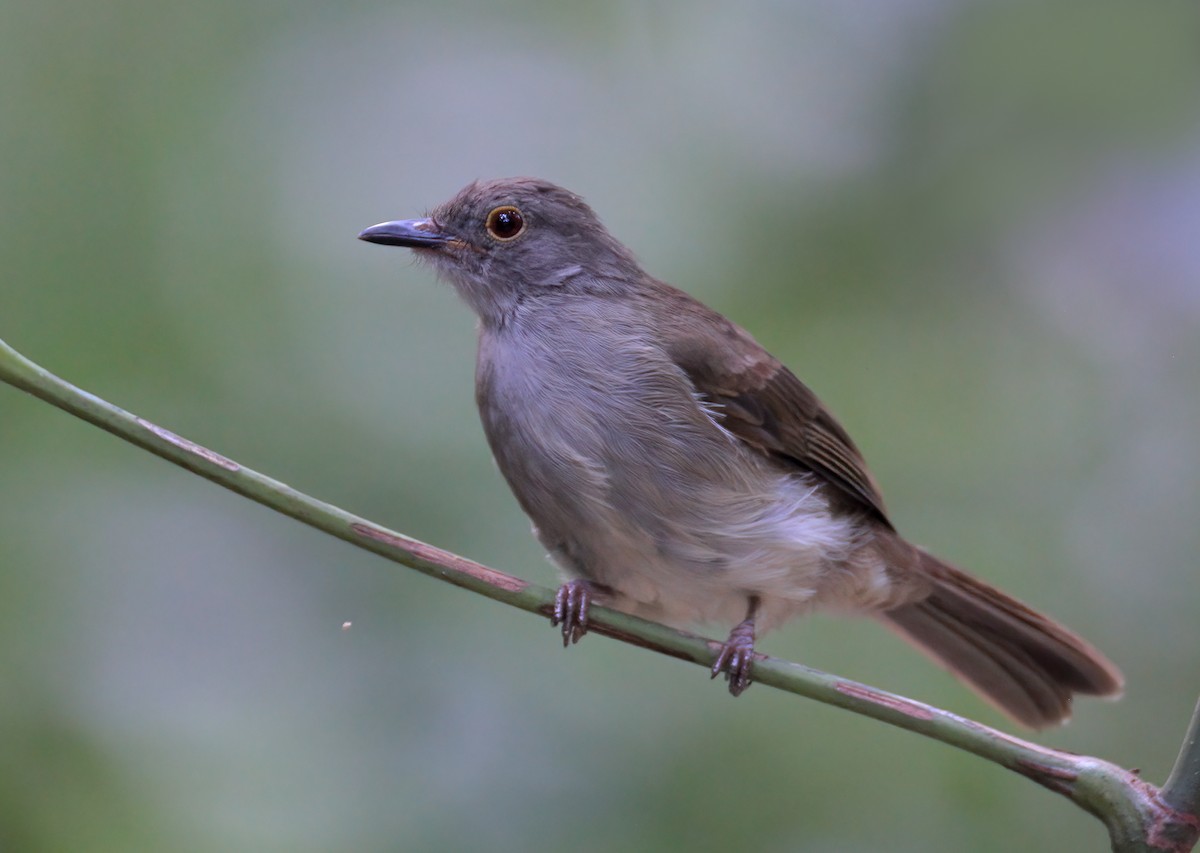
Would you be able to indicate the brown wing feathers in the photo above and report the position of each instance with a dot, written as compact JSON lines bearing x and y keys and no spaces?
{"x":1025,"y":663}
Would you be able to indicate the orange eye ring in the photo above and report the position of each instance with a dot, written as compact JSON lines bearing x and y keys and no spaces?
{"x":505,"y":223}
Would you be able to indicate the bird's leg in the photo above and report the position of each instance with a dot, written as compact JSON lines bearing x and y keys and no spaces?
{"x":571,"y":605}
{"x":737,"y":654}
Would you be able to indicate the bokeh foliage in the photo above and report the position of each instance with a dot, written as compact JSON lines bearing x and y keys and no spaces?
{"x":971,"y":226}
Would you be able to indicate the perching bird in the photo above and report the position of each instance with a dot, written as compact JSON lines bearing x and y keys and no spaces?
{"x":675,"y":469}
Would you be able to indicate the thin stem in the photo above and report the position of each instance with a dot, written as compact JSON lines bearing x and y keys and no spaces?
{"x":1133,"y":810}
{"x":1182,"y":790}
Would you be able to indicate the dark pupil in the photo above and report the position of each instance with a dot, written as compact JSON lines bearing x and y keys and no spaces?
{"x":506,"y":223}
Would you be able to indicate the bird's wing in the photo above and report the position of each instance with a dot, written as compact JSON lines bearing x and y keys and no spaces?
{"x":762,"y":403}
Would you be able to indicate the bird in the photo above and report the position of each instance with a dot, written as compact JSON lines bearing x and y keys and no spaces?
{"x":676,"y":470}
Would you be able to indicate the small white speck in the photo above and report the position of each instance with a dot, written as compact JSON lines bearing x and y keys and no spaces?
{"x":346,"y":626}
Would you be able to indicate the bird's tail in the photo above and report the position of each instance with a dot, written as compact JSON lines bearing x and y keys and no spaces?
{"x":1024,"y":663}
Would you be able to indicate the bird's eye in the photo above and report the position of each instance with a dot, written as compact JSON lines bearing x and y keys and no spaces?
{"x":505,"y":223}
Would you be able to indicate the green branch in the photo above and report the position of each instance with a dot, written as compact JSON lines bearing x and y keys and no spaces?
{"x":1181,"y":793}
{"x":1139,"y":816}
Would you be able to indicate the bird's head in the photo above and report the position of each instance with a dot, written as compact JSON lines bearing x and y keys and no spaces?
{"x":499,"y":242}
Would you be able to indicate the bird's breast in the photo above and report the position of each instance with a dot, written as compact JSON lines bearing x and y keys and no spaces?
{"x":630,"y":481}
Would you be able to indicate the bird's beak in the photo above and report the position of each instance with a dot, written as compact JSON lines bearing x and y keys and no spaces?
{"x":413,"y":233}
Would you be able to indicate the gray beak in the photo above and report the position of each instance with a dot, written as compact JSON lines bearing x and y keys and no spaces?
{"x":413,"y":233}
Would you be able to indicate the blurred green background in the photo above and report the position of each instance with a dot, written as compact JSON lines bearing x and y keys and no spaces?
{"x":971,"y":226}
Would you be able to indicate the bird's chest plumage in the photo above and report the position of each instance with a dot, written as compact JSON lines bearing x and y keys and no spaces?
{"x":631,"y":482}
{"x":586,"y":424}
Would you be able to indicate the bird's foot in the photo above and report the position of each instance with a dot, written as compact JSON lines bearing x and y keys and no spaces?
{"x":737,"y":657}
{"x":571,"y":605}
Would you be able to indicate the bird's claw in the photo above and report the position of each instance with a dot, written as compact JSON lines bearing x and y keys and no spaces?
{"x":571,"y":604}
{"x":736,"y":658}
